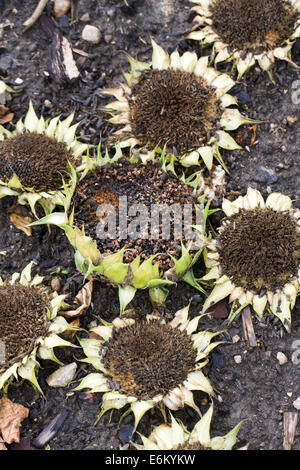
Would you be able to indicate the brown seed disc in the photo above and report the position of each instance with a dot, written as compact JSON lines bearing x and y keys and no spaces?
{"x":146,"y":185}
{"x":40,"y":162}
{"x":149,"y":358}
{"x":254,"y":25}
{"x":23,"y":319}
{"x":173,"y":108}
{"x":259,"y":249}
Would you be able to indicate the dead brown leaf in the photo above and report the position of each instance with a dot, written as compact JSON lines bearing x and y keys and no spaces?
{"x":21,"y":222}
{"x":3,"y":110}
{"x":93,"y":335}
{"x":8,"y":118}
{"x":11,"y":417}
{"x":70,"y":334}
{"x":219,"y":310}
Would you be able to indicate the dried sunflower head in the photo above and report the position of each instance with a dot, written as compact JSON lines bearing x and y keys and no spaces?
{"x":175,"y":436}
{"x":148,"y":363}
{"x":248,"y":32}
{"x":177,"y":104}
{"x":29,"y":327}
{"x":130,"y":259}
{"x":37,"y":159}
{"x":256,"y":256}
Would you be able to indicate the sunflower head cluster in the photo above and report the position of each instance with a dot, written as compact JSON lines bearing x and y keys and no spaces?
{"x":135,"y":260}
{"x":178,"y":105}
{"x":175,"y":436}
{"x":29,"y":327}
{"x":248,"y":32}
{"x":256,"y":257}
{"x":37,"y":160}
{"x":148,"y":363}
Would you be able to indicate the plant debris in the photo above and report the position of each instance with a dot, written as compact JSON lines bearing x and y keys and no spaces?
{"x":245,"y":25}
{"x":11,"y":417}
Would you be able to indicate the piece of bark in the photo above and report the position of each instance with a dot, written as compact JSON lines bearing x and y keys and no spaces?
{"x":290,"y":420}
{"x":61,"y":64}
{"x":248,"y":328}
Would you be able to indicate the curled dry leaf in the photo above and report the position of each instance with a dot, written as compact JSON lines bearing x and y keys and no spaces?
{"x":8,"y":118}
{"x":21,"y":222}
{"x":61,"y":7}
{"x":71,"y":333}
{"x":83,"y":298}
{"x":11,"y":417}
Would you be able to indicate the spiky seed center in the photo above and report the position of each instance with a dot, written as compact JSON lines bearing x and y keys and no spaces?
{"x":23,"y":319}
{"x":173,"y":108}
{"x":254,"y":25}
{"x":40,"y":162}
{"x":259,"y":249}
{"x":149,"y":358}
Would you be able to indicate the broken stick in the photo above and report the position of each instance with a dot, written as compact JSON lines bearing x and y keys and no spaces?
{"x":290,"y":420}
{"x":248,"y":328}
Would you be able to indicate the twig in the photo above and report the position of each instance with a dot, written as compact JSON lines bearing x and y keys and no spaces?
{"x":290,"y":420}
{"x":248,"y":328}
{"x":35,"y":15}
{"x":50,"y":430}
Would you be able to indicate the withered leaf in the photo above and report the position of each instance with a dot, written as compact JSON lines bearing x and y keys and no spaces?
{"x":8,"y":118}
{"x":83,"y":298}
{"x":11,"y":417}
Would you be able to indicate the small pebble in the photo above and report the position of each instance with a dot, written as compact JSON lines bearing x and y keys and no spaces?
{"x":237,"y":359}
{"x":296,"y":403}
{"x":91,"y":34}
{"x":61,"y":7}
{"x":85,"y":17}
{"x":296,"y":357}
{"x":107,"y":38}
{"x":48,"y":104}
{"x":18,"y":81}
{"x":62,"y":376}
{"x":55,"y":284}
{"x":236,"y":339}
{"x":282,"y":359}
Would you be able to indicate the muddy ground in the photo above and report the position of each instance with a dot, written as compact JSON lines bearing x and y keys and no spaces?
{"x":257,"y":390}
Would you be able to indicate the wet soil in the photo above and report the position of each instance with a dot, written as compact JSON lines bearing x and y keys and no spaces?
{"x":257,"y":389}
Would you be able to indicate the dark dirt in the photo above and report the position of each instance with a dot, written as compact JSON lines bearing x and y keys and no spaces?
{"x":257,"y":389}
{"x":139,"y":185}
